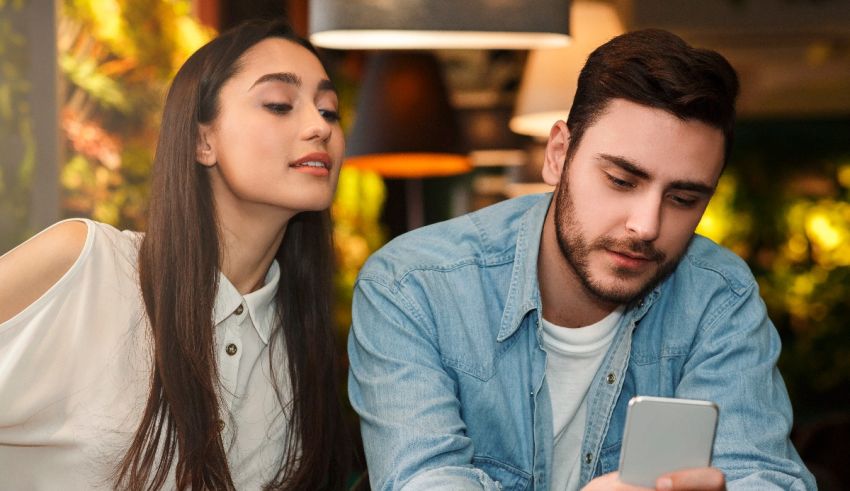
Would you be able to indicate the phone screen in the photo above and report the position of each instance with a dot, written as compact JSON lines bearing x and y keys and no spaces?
{"x":664,"y":435}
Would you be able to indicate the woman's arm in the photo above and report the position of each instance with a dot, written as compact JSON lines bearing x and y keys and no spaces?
{"x":29,"y":270}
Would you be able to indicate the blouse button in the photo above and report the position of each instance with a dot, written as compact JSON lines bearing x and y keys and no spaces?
{"x":239,"y":310}
{"x":231,"y":349}
{"x":220,"y":425}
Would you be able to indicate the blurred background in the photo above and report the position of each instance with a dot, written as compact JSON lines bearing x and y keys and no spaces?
{"x":438,"y":127}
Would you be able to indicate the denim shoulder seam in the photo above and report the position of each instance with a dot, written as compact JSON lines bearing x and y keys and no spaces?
{"x":442,"y":268}
{"x":735,"y":284}
{"x":722,"y":312}
{"x":484,"y":238}
{"x":395,"y":288}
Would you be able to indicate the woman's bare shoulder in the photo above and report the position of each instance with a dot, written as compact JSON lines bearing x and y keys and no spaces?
{"x":28,"y":271}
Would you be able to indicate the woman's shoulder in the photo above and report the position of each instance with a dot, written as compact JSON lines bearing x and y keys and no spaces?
{"x":31,"y":270}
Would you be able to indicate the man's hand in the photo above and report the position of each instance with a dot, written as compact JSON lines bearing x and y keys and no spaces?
{"x":701,"y":479}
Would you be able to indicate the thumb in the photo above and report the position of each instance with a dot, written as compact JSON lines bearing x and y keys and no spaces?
{"x":699,"y":479}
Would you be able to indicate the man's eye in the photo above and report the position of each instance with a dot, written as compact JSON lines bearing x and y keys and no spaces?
{"x":278,"y":108}
{"x":620,"y":183}
{"x":330,"y":115}
{"x":683,"y":201}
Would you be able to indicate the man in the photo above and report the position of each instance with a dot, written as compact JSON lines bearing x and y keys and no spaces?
{"x":499,"y":350}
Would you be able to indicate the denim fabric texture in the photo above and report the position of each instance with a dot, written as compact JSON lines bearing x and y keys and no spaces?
{"x":447,"y":369}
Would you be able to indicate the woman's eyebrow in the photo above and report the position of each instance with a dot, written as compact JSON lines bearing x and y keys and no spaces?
{"x":325,"y":85}
{"x":285,"y":77}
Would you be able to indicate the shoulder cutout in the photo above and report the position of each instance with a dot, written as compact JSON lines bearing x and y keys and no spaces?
{"x":29,"y":270}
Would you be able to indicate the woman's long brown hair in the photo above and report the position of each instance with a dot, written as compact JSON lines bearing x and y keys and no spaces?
{"x":178,"y":269}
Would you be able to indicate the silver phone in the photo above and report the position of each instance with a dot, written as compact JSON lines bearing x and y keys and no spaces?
{"x":664,"y":435}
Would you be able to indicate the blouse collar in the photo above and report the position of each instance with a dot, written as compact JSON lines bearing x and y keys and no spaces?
{"x":260,"y":304}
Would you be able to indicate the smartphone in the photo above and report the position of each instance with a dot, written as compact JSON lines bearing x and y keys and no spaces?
{"x":664,"y":435}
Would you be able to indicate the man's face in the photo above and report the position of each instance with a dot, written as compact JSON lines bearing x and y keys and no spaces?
{"x":631,"y":197}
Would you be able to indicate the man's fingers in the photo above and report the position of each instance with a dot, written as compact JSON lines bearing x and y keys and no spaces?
{"x":610,"y":482}
{"x":701,"y":479}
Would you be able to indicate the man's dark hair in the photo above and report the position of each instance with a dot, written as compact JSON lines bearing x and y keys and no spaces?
{"x":658,"y":69}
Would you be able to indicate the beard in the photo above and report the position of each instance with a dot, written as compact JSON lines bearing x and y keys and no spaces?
{"x":576,"y":250}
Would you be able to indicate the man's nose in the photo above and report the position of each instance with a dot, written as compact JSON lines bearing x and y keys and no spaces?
{"x":644,"y":218}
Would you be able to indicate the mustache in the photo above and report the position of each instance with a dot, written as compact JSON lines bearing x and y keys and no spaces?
{"x":631,"y":247}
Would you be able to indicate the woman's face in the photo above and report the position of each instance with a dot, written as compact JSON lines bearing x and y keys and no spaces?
{"x":276,"y":143}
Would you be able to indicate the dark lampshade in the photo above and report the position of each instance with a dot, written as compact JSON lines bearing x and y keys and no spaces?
{"x":404,"y":125}
{"x":422,"y":24}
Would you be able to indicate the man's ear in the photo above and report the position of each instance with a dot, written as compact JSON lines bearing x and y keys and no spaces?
{"x":205,"y":151}
{"x":556,"y":153}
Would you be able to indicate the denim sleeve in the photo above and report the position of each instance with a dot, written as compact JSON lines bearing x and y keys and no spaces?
{"x":413,"y":432}
{"x":734,"y":364}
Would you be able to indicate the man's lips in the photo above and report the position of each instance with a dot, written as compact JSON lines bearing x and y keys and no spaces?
{"x":628,"y":254}
{"x":629,"y":260}
{"x":631,"y":255}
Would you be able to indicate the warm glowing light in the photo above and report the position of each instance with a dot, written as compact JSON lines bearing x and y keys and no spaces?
{"x":721,"y":222}
{"x":412,"y":165}
{"x":410,"y":39}
{"x":549,"y":79}
{"x":822,"y":231}
{"x":798,"y":247}
{"x":844,"y":175}
{"x":803,"y":285}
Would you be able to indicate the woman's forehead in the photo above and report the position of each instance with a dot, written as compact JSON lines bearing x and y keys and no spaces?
{"x":278,"y":55}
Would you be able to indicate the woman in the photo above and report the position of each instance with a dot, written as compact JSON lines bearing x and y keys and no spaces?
{"x":199,"y":355}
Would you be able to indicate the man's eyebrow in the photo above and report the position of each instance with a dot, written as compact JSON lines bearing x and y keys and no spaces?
{"x":285,"y":77}
{"x":326,"y":85}
{"x":641,"y":173}
{"x":626,"y":165}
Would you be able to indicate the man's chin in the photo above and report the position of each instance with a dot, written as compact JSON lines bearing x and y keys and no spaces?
{"x":616,"y":296}
{"x":620,"y":290}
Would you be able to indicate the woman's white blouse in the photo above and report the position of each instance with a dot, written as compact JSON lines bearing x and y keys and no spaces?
{"x":75,"y":374}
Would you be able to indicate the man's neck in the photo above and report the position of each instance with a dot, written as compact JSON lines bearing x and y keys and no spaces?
{"x":566,"y":302}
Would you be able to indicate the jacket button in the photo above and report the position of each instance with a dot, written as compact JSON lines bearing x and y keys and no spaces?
{"x":239,"y":310}
{"x":611,"y":378}
{"x":588,"y":458}
{"x":231,"y":349}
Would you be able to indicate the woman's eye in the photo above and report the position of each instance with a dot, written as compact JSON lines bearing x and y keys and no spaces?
{"x":330,"y":115}
{"x":278,"y":108}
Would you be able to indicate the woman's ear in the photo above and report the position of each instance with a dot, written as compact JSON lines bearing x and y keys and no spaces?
{"x":204,"y":151}
{"x":556,"y":153}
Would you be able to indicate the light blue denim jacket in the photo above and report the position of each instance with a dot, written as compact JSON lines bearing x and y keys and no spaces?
{"x":448,"y":373}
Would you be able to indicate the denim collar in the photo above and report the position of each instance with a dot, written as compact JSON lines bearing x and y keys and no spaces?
{"x":524,"y":292}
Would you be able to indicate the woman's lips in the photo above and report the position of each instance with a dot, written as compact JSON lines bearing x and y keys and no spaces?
{"x":317,"y":164}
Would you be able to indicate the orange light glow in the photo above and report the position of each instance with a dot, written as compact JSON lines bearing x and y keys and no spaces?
{"x":412,"y":165}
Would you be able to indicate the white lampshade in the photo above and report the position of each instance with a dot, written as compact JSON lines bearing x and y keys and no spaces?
{"x":438,"y":24}
{"x":550,"y":75}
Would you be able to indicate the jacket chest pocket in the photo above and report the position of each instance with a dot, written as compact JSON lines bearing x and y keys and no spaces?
{"x":508,"y":476}
{"x":609,"y":459}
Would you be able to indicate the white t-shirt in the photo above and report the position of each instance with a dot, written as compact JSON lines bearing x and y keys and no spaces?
{"x":75,"y":371}
{"x":573,"y":357}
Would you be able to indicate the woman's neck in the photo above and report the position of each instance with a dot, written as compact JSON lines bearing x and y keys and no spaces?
{"x":248,"y":244}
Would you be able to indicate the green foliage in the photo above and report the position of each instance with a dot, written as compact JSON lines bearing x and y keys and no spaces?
{"x":17,"y":138}
{"x":357,"y":233}
{"x":785,"y":208}
{"x":118,"y":57}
